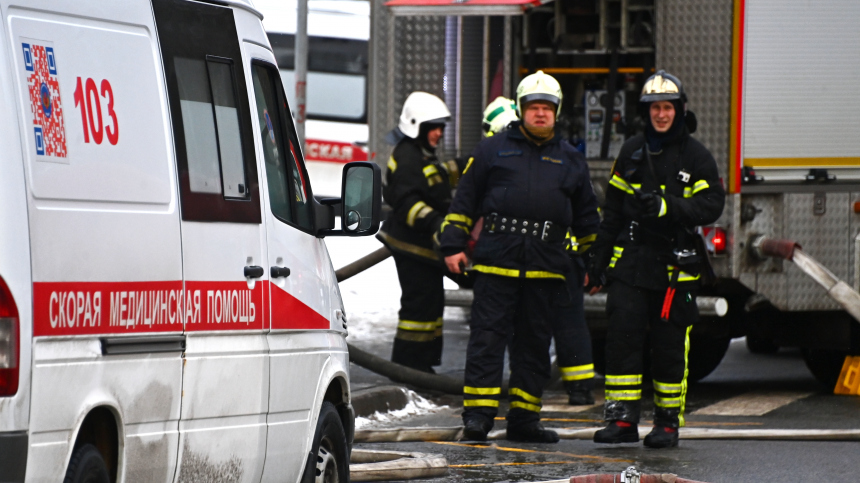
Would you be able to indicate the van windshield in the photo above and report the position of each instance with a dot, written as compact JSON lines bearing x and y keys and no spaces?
{"x":337,"y":76}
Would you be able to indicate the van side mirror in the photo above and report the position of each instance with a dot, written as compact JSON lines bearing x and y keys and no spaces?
{"x":360,"y":204}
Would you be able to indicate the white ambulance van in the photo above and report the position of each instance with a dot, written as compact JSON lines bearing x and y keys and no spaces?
{"x":168,"y":310}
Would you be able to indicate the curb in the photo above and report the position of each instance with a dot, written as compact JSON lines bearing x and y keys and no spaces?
{"x":365,"y":402}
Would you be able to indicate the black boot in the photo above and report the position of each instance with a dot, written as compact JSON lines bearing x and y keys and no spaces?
{"x":662,"y":437}
{"x":617,"y":432}
{"x":580,"y":397}
{"x":579,"y":392}
{"x":476,"y":428}
{"x":532,"y":432}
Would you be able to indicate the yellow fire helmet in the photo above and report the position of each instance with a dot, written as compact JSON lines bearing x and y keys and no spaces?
{"x":498,"y":115}
{"x":539,"y":87}
{"x":662,"y":86}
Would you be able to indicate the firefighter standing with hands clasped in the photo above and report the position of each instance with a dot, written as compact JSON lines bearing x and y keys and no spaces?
{"x":663,"y":185}
{"x":418,"y":188}
{"x":530,"y":187}
{"x":570,"y":330}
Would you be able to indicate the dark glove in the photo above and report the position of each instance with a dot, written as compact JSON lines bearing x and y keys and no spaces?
{"x":596,"y":273}
{"x":652,"y":204}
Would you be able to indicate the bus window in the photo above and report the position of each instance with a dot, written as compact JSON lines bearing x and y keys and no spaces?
{"x":337,"y":76}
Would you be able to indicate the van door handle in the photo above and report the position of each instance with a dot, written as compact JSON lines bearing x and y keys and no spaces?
{"x":254,"y":271}
{"x":278,"y":272}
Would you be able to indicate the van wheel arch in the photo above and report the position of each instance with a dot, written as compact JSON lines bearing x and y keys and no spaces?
{"x":337,"y":393}
{"x":100,"y":429}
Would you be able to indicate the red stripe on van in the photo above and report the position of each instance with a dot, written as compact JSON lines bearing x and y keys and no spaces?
{"x":225,"y":306}
{"x":289,"y":312}
{"x":86,"y":308}
{"x":100,"y":308}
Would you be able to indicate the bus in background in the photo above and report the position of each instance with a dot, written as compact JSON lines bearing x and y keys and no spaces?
{"x":336,"y":122}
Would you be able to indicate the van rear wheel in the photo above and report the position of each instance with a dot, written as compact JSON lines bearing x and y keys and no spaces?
{"x":329,"y":454}
{"x":87,"y":466}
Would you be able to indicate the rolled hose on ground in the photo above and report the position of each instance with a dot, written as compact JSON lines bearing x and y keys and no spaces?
{"x":395,"y":372}
{"x":399,"y":373}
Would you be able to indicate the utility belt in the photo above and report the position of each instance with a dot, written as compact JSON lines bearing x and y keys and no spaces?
{"x":688,"y":259}
{"x":639,"y":235}
{"x":542,"y":230}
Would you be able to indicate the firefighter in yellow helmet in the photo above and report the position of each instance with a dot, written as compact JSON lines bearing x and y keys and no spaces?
{"x":531,"y":187}
{"x":570,"y":330}
{"x":663,"y":185}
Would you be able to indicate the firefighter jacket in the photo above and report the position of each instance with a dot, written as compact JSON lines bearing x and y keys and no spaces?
{"x":510,"y":181}
{"x":418,"y":188}
{"x":643,"y":251}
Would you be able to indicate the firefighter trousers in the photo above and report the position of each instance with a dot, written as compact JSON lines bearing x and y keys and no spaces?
{"x":572,"y":338}
{"x":519,"y":311}
{"x":418,"y":342}
{"x":632,"y":311}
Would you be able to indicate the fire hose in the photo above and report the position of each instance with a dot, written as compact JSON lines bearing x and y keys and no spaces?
{"x":763,"y":247}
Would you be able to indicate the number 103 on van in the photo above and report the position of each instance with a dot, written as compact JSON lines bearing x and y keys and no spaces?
{"x":88,"y":100}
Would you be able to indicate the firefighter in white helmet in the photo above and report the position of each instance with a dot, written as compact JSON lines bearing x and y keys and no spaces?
{"x":418,"y":186}
{"x":531,"y":187}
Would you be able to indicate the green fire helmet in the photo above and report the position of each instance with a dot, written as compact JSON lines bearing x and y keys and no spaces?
{"x":498,"y":115}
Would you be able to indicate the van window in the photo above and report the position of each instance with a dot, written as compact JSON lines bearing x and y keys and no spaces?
{"x":289,"y":191}
{"x":210,"y":113}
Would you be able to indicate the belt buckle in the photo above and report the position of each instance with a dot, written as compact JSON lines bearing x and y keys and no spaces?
{"x":490,"y":222}
{"x":634,"y":228}
{"x":547,"y":225}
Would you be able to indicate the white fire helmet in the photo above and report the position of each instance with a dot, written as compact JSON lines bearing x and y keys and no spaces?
{"x":421,"y":107}
{"x":498,"y":115}
{"x":539,"y":87}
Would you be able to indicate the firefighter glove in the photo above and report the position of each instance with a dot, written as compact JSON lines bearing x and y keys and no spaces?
{"x":653,"y":205}
{"x":596,"y":273}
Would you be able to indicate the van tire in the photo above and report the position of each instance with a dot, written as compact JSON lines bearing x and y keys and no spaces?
{"x":87,"y":466}
{"x":329,"y":460}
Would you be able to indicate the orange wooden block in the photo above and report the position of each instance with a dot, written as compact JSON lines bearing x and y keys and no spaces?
{"x":849,"y":378}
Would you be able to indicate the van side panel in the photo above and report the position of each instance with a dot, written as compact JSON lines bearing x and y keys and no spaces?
{"x":104,"y":231}
{"x":14,"y":240}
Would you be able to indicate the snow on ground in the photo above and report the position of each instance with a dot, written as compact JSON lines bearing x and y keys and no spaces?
{"x":416,"y":405}
{"x":371,"y":298}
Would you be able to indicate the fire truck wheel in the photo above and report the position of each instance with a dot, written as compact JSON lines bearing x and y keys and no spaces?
{"x":329,"y":453}
{"x":760,"y":345}
{"x":706,"y":353}
{"x":825,"y":365}
{"x":87,"y":466}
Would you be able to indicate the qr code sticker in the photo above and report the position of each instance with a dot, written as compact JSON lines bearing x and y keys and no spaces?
{"x":49,"y":129}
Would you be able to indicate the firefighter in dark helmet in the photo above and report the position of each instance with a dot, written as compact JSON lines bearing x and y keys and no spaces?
{"x":418,"y":188}
{"x":663,"y":185}
{"x":530,"y":187}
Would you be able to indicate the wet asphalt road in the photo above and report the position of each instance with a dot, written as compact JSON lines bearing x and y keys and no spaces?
{"x":741,"y":384}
